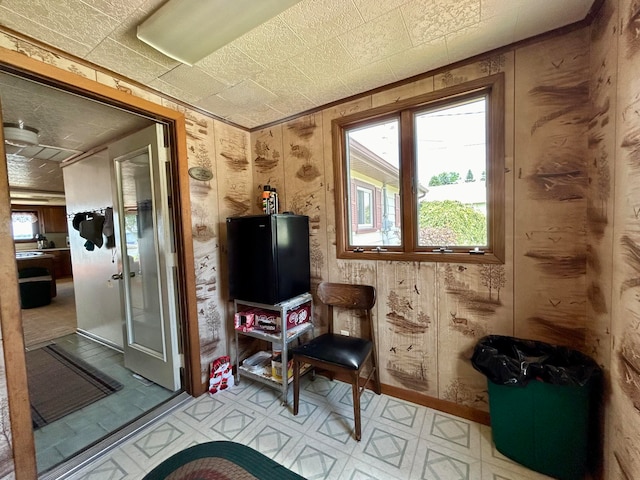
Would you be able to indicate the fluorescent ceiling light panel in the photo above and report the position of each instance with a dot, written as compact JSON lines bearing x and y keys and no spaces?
{"x":189,"y":30}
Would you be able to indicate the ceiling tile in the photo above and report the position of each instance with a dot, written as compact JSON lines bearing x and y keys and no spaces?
{"x":429,"y":21}
{"x":370,"y":9}
{"x":122,"y":60}
{"x":229,"y":65}
{"x":420,"y":59}
{"x":261,"y":114}
{"x":316,"y":21}
{"x":377,"y":39}
{"x":70,"y":18}
{"x":325,"y":90}
{"x":215,"y":103}
{"x":26,"y":173}
{"x":118,"y":9}
{"x":239,"y":119}
{"x":270,"y":43}
{"x":292,"y":104}
{"x":42,"y":33}
{"x":151,"y":6}
{"x":193,"y":81}
{"x":329,"y":59}
{"x":173,"y":91}
{"x":246,"y":94}
{"x":369,"y":77}
{"x":281,"y":79}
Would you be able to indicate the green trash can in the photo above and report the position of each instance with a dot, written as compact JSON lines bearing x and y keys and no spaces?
{"x":543,"y":402}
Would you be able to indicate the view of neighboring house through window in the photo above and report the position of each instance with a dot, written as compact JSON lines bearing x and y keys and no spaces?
{"x":374,"y":180}
{"x":424,"y":176}
{"x":25,"y":225}
{"x":365,"y":207}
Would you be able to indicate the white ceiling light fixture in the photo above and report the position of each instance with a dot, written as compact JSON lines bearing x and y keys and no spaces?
{"x":189,"y":30}
{"x":20,"y":135}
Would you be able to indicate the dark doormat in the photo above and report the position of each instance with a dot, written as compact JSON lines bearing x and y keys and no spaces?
{"x":60,"y":383}
{"x":220,"y":460}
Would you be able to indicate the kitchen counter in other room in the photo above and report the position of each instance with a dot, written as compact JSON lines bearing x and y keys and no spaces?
{"x":61,"y":262}
{"x":44,"y":250}
{"x":38,"y":259}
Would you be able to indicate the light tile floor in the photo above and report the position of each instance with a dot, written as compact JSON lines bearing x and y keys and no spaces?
{"x":400,"y":440}
{"x":71,"y":434}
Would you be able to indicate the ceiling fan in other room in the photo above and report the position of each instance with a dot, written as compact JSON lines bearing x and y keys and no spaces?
{"x":22,"y":142}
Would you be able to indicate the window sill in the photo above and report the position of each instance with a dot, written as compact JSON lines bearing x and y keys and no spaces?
{"x":462,"y":257}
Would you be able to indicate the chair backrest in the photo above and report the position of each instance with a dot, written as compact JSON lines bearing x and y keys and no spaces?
{"x":346,"y":295}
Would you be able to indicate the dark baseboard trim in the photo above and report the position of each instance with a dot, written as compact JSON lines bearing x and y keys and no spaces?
{"x":445,"y":406}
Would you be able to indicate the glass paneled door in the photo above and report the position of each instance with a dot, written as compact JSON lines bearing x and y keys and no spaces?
{"x":147,"y":273}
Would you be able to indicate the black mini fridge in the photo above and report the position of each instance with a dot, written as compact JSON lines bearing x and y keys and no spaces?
{"x":268,"y":257}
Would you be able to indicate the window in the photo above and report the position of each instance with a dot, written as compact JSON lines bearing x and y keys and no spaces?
{"x":364,"y":198}
{"x":25,"y":225}
{"x":423,"y":179}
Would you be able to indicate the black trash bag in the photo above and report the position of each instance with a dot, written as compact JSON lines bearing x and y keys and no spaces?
{"x":514,"y":361}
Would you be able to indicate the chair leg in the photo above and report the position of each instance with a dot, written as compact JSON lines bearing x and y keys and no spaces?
{"x":355,"y":387}
{"x":296,"y":384}
{"x":376,"y":374}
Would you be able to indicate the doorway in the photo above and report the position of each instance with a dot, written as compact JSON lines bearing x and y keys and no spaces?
{"x":186,"y":321}
{"x":106,"y":376}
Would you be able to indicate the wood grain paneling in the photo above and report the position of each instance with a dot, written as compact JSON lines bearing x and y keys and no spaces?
{"x":600,"y":193}
{"x":206,"y":225}
{"x":267,"y":153}
{"x":304,"y":184}
{"x":624,"y":410}
{"x":474,"y":301}
{"x":407,"y":326}
{"x":551,"y":92}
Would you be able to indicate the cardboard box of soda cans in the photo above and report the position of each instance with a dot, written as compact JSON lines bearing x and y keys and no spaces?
{"x":269,"y":321}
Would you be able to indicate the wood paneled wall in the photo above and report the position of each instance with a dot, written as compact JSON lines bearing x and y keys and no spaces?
{"x":429,"y":316}
{"x":614,"y":230}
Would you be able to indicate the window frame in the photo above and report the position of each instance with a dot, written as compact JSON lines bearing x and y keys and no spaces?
{"x":493,"y":87}
{"x":27,"y":209}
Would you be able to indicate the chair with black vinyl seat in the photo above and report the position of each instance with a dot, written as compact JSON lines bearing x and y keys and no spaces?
{"x":340,"y":353}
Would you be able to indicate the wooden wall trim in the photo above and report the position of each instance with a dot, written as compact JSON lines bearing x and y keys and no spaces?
{"x":10,"y":319}
{"x":13,"y":340}
{"x":187,"y":275}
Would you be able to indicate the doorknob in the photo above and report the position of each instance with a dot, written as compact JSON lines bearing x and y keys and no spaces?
{"x":119,"y":276}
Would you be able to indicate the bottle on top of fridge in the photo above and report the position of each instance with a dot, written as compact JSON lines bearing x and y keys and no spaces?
{"x":273,"y":201}
{"x":266,"y":192}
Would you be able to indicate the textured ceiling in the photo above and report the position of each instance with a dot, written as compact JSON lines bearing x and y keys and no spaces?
{"x":314,"y":53}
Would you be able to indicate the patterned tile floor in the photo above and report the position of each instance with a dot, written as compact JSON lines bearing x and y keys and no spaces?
{"x":400,"y":440}
{"x":66,"y":437}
